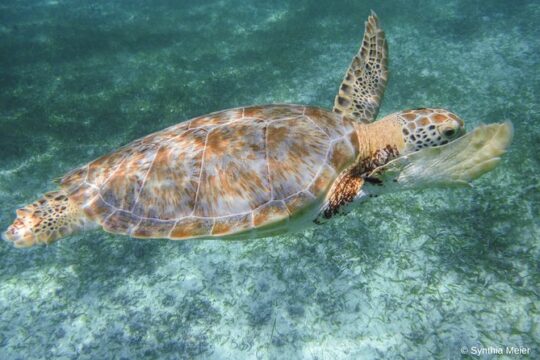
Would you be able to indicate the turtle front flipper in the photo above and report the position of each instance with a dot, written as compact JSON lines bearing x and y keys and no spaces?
{"x":347,"y":189}
{"x":454,"y":164}
{"x":361,"y":92}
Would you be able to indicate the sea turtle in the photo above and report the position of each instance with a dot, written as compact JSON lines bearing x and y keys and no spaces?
{"x":260,"y":170}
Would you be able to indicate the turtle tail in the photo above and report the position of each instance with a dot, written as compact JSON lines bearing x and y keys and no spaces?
{"x":45,"y":221}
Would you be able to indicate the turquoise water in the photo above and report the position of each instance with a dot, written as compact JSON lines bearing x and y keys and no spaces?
{"x":414,"y":275}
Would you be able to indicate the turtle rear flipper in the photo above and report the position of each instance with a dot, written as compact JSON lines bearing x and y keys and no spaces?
{"x":454,"y":164}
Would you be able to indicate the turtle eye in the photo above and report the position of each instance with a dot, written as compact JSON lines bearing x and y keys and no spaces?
{"x":449,"y":133}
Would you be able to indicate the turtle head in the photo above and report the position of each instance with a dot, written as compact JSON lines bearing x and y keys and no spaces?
{"x":422,"y":128}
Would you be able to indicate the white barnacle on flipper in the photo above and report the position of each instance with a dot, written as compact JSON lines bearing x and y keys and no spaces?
{"x":454,"y":164}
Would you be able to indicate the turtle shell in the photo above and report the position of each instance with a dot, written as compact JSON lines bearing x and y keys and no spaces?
{"x":229,"y":172}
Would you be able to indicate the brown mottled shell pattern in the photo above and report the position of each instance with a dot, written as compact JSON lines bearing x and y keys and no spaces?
{"x":224,"y":173}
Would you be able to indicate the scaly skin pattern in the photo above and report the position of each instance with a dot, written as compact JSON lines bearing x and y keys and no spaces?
{"x":53,"y":216}
{"x":362,"y":89}
{"x":429,"y":127}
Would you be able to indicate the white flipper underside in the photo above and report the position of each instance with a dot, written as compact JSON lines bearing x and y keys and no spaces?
{"x":453,"y":164}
